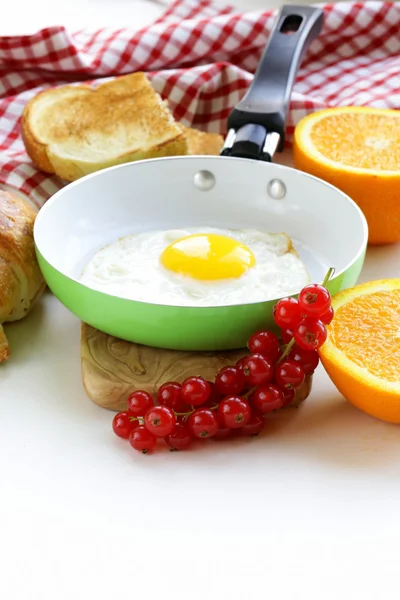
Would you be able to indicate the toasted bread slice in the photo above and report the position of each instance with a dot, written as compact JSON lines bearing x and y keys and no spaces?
{"x":200,"y":142}
{"x":75,"y":130}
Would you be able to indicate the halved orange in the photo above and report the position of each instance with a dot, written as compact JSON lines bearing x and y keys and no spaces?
{"x":356,"y":149}
{"x":362,"y":352}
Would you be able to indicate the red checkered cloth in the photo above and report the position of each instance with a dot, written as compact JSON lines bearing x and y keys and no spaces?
{"x":201,"y":57}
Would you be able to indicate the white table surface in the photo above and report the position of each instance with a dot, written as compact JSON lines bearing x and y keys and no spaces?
{"x":309,"y":510}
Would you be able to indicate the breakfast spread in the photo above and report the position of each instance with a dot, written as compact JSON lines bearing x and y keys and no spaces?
{"x":198,"y":267}
{"x":188,"y":300}
{"x":206,"y":266}
{"x":242,"y":395}
{"x":75,"y":130}
{"x":21,"y":281}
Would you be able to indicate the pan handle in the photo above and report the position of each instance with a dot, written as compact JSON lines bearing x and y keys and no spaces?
{"x":256,"y":127}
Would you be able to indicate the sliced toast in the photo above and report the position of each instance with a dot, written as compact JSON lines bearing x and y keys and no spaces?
{"x":75,"y":130}
{"x":201,"y":142}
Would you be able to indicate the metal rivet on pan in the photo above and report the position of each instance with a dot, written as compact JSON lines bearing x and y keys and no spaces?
{"x":204,"y":180}
{"x":276,"y":189}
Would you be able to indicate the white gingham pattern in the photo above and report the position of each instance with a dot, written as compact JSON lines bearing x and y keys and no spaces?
{"x":201,"y":57}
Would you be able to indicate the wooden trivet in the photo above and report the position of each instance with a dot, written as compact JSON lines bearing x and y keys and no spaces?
{"x":113,"y":368}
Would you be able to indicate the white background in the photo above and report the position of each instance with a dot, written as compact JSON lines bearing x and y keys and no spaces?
{"x":309,"y":510}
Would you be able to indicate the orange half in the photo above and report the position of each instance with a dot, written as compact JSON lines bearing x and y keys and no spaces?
{"x":356,"y":149}
{"x":362,"y":352}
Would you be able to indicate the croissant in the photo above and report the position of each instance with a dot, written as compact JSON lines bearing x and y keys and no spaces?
{"x":21,"y":282}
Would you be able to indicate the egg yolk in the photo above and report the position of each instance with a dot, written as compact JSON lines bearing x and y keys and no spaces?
{"x":208,"y":257}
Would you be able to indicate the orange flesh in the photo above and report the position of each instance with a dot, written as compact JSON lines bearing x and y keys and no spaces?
{"x":368,"y":141}
{"x":367,"y":331}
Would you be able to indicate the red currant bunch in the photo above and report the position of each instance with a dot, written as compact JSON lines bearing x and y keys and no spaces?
{"x":263,"y":381}
{"x":305,"y":319}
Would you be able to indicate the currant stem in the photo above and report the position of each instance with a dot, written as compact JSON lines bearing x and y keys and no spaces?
{"x":286,"y":351}
{"x":328,"y":276}
{"x":249,"y":392}
{"x":187,"y":414}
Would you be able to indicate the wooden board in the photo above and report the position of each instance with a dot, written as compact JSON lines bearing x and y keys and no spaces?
{"x":112,"y":368}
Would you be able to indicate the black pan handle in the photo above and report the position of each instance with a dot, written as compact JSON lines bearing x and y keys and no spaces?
{"x":256,"y":127}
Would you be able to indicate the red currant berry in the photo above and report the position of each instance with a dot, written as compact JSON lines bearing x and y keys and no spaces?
{"x":241,"y":362}
{"x":139,"y":403}
{"x":169,"y":394}
{"x":230,"y":381}
{"x":160,"y":420}
{"x":327,"y":317}
{"x":310,"y":334}
{"x":234,"y":412}
{"x":203,"y":423}
{"x":267,"y":398}
{"x":286,"y":335}
{"x":287,"y":313}
{"x":180,"y":437}
{"x":256,"y":369}
{"x":289,"y":374}
{"x":195,"y":391}
{"x":314,"y":300}
{"x":122,"y":425}
{"x":254,"y":426}
{"x":141,"y":439}
{"x":265,"y":343}
{"x":288,"y":396}
{"x":308,"y":359}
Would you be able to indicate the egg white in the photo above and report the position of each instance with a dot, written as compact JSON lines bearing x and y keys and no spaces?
{"x":131,"y":268}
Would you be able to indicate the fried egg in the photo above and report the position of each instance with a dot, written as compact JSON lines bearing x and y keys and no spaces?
{"x":198,"y":267}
